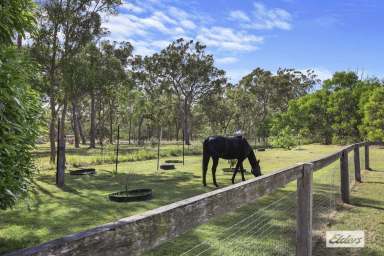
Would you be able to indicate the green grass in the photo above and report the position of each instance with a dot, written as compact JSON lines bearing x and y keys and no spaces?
{"x":85,"y":156}
{"x":50,"y":212}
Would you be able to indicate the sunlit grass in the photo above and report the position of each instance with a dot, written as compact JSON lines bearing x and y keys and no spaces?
{"x":50,"y":212}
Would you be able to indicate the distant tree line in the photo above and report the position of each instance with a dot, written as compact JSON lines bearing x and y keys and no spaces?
{"x":345,"y":109}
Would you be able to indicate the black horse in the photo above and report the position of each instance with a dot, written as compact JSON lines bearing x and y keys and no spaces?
{"x":228,"y":148}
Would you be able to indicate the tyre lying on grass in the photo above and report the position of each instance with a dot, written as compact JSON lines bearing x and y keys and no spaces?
{"x":142,"y":194}
{"x":173,"y":161}
{"x":167,"y":166}
{"x":88,"y":171}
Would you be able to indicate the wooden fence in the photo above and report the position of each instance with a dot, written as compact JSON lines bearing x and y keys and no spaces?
{"x":137,"y":234}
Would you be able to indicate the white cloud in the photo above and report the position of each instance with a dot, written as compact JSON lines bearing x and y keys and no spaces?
{"x":148,"y":22}
{"x":132,"y":7}
{"x":188,"y":24}
{"x":148,"y":47}
{"x":263,"y":18}
{"x":228,"y":39}
{"x":226,"y":60}
{"x":239,"y":15}
{"x":178,"y":13}
{"x":270,"y":18}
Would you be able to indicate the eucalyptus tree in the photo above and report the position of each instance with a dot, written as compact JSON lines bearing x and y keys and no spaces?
{"x":191,"y":73}
{"x":147,"y":74}
{"x":260,"y":84}
{"x":221,"y":108}
{"x":65,"y":28}
{"x":290,"y":84}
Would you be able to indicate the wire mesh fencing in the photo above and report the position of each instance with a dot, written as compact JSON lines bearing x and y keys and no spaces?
{"x":263,"y":228}
{"x":362,"y":158}
{"x":326,"y":194}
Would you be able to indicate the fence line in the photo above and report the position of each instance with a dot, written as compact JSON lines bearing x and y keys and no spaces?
{"x":137,"y":234}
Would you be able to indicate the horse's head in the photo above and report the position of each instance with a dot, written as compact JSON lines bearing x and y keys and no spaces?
{"x":256,"y":170}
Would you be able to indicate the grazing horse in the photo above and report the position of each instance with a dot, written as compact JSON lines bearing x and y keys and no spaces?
{"x":228,"y":148}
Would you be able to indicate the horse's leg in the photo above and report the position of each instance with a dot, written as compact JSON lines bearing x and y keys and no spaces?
{"x":242,"y":171}
{"x":214,"y":166}
{"x":205,"y":167}
{"x":235,"y":172}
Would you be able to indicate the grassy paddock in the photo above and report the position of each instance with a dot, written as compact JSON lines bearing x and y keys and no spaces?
{"x":50,"y":212}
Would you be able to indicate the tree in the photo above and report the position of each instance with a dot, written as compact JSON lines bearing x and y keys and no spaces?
{"x":65,"y":28}
{"x":20,"y":106}
{"x":16,"y":18}
{"x":373,"y":122}
{"x":192,"y":75}
{"x":341,"y":80}
{"x":307,"y":117}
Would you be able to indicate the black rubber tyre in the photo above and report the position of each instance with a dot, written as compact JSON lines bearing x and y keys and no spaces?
{"x":142,"y":194}
{"x":89,"y":171}
{"x":167,"y":166}
{"x":173,"y":161}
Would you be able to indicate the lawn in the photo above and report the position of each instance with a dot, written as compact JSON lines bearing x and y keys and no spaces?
{"x":50,"y":212}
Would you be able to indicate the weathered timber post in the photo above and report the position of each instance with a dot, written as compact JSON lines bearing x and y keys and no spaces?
{"x":304,"y":212}
{"x":366,"y":146}
{"x":356,"y":155}
{"x":344,"y":177}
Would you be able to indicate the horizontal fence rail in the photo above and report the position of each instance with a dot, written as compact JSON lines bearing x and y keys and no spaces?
{"x":137,"y":234}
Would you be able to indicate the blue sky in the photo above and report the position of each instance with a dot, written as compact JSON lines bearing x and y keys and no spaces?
{"x":326,"y":36}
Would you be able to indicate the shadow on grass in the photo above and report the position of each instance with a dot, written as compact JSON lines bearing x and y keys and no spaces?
{"x":85,"y":204}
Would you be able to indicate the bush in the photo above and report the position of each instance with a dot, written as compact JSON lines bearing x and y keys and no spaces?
{"x":19,"y":112}
{"x":285,"y":139}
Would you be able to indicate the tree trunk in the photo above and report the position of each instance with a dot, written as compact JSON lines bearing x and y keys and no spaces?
{"x":76,"y":128}
{"x":92,"y":136}
{"x":52,"y":130}
{"x":158,"y":146}
{"x":186,"y":128}
{"x":110,"y":124}
{"x":61,"y":156}
{"x":129,"y":131}
{"x":78,"y":120}
{"x":177,"y":131}
{"x":139,"y":140}
{"x":19,"y":41}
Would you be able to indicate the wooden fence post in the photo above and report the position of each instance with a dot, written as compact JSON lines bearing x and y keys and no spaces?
{"x":356,"y":154}
{"x":304,"y":212}
{"x":344,"y":177}
{"x":366,"y":146}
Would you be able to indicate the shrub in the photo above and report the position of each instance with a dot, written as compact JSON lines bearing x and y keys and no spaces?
{"x":285,"y":139}
{"x":19,"y":112}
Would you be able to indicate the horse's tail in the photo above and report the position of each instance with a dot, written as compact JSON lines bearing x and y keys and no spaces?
{"x":205,"y":161}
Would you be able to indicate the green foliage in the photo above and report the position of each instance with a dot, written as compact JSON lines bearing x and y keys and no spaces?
{"x":285,"y":139}
{"x":341,"y":80}
{"x":335,"y":113}
{"x":19,"y":115}
{"x":16,"y":16}
{"x":343,"y":107}
{"x":373,"y":122}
